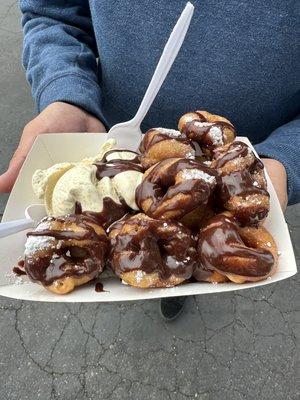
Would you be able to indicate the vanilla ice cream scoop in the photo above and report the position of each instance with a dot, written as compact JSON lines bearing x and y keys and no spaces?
{"x":90,"y":185}
{"x":79,"y":184}
{"x":104,"y":149}
{"x":44,"y":177}
{"x":44,"y":180}
{"x":103,"y":185}
{"x":125,"y":184}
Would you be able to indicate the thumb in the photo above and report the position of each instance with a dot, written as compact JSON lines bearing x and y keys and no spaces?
{"x":94,"y":125}
{"x":7,"y":179}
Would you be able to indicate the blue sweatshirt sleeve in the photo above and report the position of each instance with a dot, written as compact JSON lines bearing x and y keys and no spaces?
{"x":59,"y":54}
{"x":284,"y":145}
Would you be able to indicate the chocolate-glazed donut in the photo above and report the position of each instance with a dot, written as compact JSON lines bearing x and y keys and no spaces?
{"x":238,"y":156}
{"x":173,"y":188}
{"x":65,"y":252}
{"x":228,"y":252}
{"x":238,"y":193}
{"x":151,"y":253}
{"x":242,"y":188}
{"x":159,"y":144}
{"x":210,"y":131}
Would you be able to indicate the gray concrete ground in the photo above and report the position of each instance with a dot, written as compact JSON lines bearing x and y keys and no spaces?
{"x":237,"y":346}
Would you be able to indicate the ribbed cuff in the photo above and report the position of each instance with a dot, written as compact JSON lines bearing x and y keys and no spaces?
{"x":74,"y":89}
{"x":281,"y":153}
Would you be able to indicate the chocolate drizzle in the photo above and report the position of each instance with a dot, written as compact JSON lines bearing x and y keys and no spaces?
{"x":19,"y":269}
{"x":153,"y":246}
{"x":81,"y":220}
{"x":68,"y":259}
{"x":99,"y":287}
{"x":241,"y":183}
{"x":238,"y":183}
{"x":135,"y":160}
{"x":111,"y":212}
{"x":111,"y":169}
{"x":159,"y":186}
{"x":235,"y":150}
{"x":160,"y":136}
{"x":203,"y":134}
{"x":220,"y":247}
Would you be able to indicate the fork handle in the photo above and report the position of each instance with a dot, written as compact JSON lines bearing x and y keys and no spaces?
{"x":167,"y":58}
{"x":10,"y":227}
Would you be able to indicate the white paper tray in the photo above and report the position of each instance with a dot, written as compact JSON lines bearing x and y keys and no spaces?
{"x":54,"y":148}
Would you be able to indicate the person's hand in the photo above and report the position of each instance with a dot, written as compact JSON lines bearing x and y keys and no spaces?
{"x":278,"y":177}
{"x":57,"y":117}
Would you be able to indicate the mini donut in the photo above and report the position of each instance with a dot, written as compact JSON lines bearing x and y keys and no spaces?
{"x":159,"y":144}
{"x":227,"y":251}
{"x":238,"y":193}
{"x":242,"y":188}
{"x":210,"y":131}
{"x":239,"y":156}
{"x":148,"y":253}
{"x":175,"y":187}
{"x":65,"y":252}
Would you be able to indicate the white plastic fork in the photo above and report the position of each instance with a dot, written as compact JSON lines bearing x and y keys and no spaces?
{"x":33,"y":214}
{"x":128,"y":134}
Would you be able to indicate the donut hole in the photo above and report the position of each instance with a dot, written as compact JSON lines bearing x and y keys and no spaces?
{"x":75,"y":253}
{"x":164,"y":186}
{"x":161,"y":243}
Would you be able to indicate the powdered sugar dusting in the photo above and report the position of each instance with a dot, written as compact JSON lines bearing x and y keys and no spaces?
{"x":44,"y":224}
{"x":201,"y":124}
{"x":139,"y":275}
{"x":14,"y":279}
{"x":190,"y":155}
{"x":197,"y":174}
{"x":216,"y":135}
{"x":169,"y":132}
{"x":38,"y":243}
{"x":215,"y":132}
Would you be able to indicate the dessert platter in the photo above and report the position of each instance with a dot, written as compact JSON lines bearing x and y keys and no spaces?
{"x":188,"y":213}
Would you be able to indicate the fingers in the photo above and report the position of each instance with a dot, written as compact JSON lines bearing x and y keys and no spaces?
{"x":278,"y":177}
{"x":8,"y":179}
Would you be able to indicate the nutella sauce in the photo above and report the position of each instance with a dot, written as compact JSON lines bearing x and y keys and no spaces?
{"x":99,"y":287}
{"x":203,"y":134}
{"x":68,"y":261}
{"x":238,"y":150}
{"x":111,"y":169}
{"x":149,"y":141}
{"x":135,"y":160}
{"x":238,"y":183}
{"x":154,"y":246}
{"x":159,"y":186}
{"x":19,"y":269}
{"x":235,"y":150}
{"x":241,"y":183}
{"x":111,"y":212}
{"x":221,"y":247}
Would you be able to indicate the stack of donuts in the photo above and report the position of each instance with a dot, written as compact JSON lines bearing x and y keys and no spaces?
{"x":202,"y":202}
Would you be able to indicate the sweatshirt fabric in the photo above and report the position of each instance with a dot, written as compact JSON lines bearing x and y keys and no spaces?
{"x":240,"y":59}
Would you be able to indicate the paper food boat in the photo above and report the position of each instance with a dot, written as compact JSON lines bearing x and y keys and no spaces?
{"x":50,"y":149}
